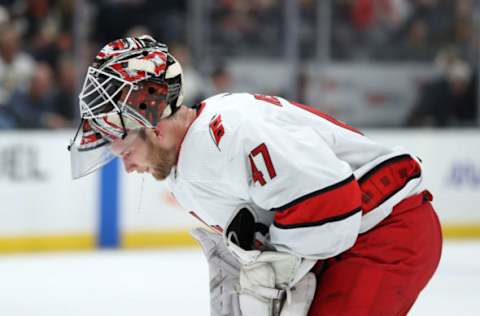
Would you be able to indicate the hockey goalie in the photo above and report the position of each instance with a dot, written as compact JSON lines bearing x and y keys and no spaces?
{"x":305,"y":215}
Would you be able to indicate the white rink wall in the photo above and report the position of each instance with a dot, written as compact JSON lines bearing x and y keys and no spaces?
{"x":36,"y":193}
{"x":42,"y":208}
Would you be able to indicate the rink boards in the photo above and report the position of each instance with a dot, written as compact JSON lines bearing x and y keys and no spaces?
{"x":41,"y":208}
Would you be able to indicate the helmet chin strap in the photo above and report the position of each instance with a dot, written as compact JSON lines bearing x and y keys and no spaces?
{"x":69,"y":147}
{"x":123,"y":125}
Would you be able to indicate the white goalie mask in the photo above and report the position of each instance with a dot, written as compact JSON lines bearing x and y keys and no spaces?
{"x":134,"y":82}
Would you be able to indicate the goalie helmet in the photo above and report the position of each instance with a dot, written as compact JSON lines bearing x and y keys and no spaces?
{"x":134,"y":82}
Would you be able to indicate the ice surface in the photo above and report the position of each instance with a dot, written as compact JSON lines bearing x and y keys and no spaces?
{"x":175,"y":282}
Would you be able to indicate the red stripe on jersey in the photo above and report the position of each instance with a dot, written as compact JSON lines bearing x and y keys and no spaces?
{"x":325,"y":116}
{"x":386,"y":179}
{"x":330,"y":204}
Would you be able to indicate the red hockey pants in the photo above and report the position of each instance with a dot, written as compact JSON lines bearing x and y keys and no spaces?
{"x":384,"y":272}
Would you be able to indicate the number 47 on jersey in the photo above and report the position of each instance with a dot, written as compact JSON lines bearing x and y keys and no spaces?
{"x":257,"y":175}
{"x":262,"y":150}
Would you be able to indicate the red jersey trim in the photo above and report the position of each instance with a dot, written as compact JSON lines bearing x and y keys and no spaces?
{"x":318,"y":223}
{"x":329,"y":204}
{"x":386,"y":179}
{"x":201,"y":107}
{"x":326,"y":117}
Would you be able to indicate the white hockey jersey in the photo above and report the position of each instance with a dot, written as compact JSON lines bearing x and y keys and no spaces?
{"x":315,"y":183}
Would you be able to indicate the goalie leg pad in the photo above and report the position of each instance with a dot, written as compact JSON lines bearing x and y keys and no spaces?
{"x":260,"y":295}
{"x":300,"y":297}
{"x":257,"y":293}
{"x":267,"y":278}
{"x":224,"y":272}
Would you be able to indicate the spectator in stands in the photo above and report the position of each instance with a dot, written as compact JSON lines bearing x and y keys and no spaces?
{"x":220,"y":81}
{"x":400,"y":30}
{"x":64,"y":103}
{"x":192,"y":89}
{"x":303,"y":85}
{"x":246,"y":28}
{"x":31,"y":108}
{"x":166,"y":19}
{"x":48,"y":29}
{"x":414,"y":44}
{"x":15,"y":65}
{"x":450,"y":100}
{"x":465,"y":38}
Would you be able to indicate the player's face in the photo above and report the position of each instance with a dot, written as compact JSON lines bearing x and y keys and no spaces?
{"x":133,"y":151}
{"x":142,"y":151}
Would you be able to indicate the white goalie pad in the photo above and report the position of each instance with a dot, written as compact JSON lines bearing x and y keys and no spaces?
{"x":300,"y":297}
{"x":224,"y":270}
{"x":271,"y":283}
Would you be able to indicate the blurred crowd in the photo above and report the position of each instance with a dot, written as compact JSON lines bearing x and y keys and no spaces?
{"x":440,"y":32}
{"x":256,"y":22}
{"x":41,"y":57}
{"x":401,"y":29}
{"x":450,"y":97}
{"x":37,"y":73}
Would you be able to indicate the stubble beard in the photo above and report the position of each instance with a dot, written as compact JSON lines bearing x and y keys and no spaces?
{"x":161,"y":161}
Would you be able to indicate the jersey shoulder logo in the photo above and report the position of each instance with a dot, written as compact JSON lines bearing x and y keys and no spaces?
{"x":216,"y":129}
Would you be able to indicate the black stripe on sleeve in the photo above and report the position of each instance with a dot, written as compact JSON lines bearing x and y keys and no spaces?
{"x":319,"y":223}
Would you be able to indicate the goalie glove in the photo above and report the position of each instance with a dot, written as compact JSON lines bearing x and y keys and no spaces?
{"x":271,"y":283}
{"x":224,"y":271}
